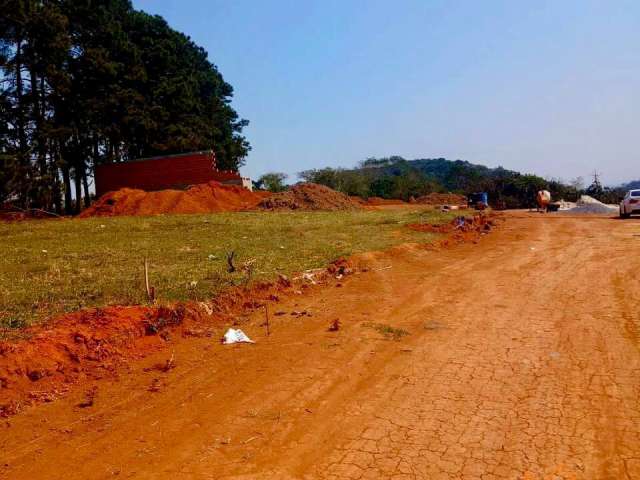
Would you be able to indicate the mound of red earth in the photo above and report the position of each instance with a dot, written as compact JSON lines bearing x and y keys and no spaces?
{"x":309,"y":196}
{"x":81,"y":344}
{"x":442,"y":199}
{"x":204,"y":198}
{"x":461,"y":229}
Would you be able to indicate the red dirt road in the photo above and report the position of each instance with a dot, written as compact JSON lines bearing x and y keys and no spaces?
{"x":522,"y":361}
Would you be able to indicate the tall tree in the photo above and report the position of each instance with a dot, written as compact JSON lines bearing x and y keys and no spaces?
{"x":272,"y":181}
{"x":85,"y":82}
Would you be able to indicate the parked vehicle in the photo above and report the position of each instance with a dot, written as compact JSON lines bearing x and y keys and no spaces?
{"x":543,"y":199}
{"x":630,"y":204}
{"x":479,"y":200}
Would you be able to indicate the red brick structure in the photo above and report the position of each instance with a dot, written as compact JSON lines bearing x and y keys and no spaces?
{"x":160,"y":173}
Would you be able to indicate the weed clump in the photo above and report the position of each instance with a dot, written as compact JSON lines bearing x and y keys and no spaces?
{"x":387,"y":331}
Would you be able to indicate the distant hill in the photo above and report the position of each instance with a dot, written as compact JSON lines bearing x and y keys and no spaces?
{"x":631,"y":185}
{"x":453,"y":175}
{"x":396,"y":177}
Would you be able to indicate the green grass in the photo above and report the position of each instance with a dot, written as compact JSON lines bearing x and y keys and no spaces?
{"x":54,"y":266}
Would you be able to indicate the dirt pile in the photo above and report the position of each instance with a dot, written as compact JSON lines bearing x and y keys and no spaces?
{"x":442,"y":199}
{"x":87,"y":343}
{"x":309,"y":196}
{"x":204,"y":198}
{"x":461,"y":229}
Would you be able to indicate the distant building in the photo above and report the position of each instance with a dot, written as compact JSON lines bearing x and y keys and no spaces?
{"x":160,"y":173}
{"x":247,"y":183}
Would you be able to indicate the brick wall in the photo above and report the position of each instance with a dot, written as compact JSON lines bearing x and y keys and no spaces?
{"x":175,"y":171}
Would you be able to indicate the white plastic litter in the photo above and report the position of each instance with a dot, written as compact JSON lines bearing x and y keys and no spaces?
{"x":309,"y":277}
{"x":235,"y":336}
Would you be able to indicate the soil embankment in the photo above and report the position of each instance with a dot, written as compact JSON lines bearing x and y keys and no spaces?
{"x":94,"y":343}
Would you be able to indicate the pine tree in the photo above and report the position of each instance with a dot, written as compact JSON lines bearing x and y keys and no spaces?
{"x":87,"y":82}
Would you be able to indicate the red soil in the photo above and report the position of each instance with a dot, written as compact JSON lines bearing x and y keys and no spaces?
{"x":376,"y":201}
{"x":85,"y":343}
{"x":442,"y":199}
{"x":460,"y":229}
{"x":309,"y":196}
{"x":384,"y":201}
{"x":204,"y":198}
{"x":93,"y":343}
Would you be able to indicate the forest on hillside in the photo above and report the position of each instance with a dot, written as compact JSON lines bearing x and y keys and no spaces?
{"x":398,"y":178}
{"x":84,"y":83}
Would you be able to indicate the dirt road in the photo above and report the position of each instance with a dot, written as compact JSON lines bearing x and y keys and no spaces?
{"x":522,"y":361}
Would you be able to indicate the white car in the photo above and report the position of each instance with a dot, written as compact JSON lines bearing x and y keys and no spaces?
{"x":630,"y":204}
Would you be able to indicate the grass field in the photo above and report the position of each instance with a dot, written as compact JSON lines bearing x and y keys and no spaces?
{"x":53,"y":266}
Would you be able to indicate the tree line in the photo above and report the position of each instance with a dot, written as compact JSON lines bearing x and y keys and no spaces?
{"x":397,"y":178}
{"x":85,"y":82}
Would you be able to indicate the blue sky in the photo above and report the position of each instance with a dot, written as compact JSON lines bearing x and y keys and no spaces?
{"x":547,"y":87}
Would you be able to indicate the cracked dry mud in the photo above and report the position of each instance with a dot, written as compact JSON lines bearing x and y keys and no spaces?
{"x":522,"y":363}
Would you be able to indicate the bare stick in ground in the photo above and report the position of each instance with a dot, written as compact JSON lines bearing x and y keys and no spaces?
{"x":266,"y":314}
{"x":231,"y":267}
{"x":150,"y":290}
